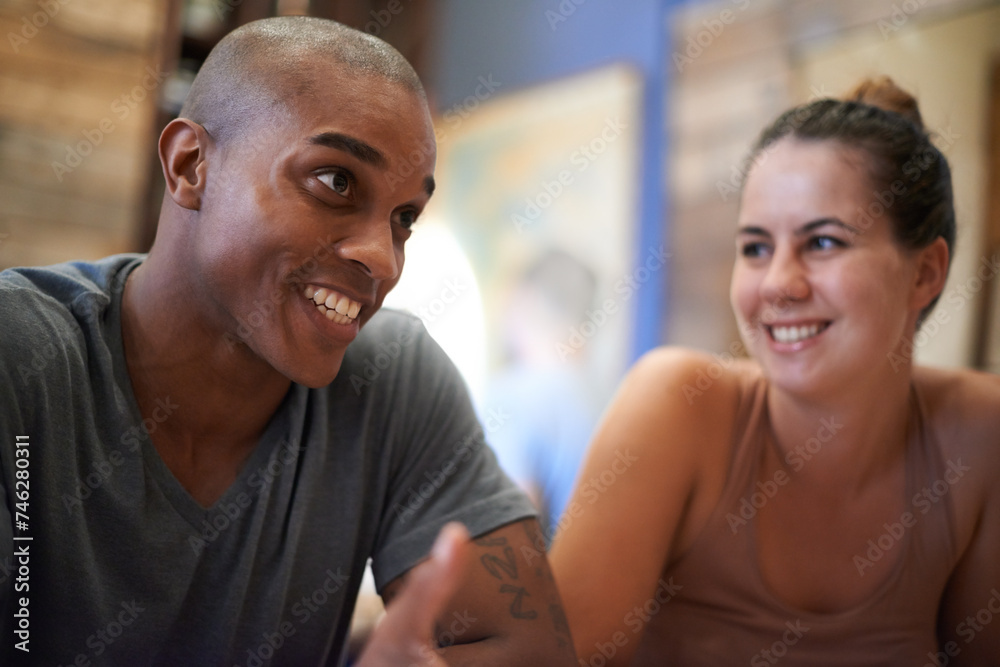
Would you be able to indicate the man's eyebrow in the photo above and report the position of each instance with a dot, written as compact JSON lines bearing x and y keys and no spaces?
{"x":429,"y":185}
{"x":348,"y":144}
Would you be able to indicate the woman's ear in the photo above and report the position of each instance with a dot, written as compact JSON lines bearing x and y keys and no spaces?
{"x":932,"y":272}
{"x":183,"y":150}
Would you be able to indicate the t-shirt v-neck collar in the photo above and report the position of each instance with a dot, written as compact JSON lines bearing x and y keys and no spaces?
{"x":275,"y":434}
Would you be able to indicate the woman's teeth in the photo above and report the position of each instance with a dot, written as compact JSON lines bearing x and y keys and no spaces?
{"x":335,"y":306}
{"x":795,"y":334}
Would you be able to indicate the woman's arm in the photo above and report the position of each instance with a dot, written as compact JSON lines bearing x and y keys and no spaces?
{"x":969,"y":624}
{"x":654,"y":461}
{"x":969,"y":620}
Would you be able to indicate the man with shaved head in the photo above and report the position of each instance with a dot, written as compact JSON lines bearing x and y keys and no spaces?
{"x":201,"y":447}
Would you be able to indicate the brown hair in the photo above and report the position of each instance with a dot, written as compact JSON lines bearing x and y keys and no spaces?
{"x":883,"y":120}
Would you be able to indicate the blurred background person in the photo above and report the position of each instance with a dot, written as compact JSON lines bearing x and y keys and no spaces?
{"x":542,"y":390}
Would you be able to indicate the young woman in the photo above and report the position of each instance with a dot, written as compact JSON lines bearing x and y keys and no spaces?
{"x":825,"y":503}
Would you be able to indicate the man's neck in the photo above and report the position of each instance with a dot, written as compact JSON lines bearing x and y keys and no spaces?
{"x":174,"y":348}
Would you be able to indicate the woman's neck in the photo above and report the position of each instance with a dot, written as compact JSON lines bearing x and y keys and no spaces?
{"x":852,"y":437}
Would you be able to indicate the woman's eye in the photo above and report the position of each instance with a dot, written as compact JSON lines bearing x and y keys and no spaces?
{"x":337,"y":181}
{"x":753,"y":249}
{"x":825,"y":243}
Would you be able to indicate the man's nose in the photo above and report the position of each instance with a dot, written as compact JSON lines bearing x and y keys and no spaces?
{"x":370,"y":246}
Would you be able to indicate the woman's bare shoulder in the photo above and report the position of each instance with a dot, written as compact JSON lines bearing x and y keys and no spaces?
{"x":961,"y":399}
{"x":963,"y":411}
{"x":694,"y":396}
{"x":716,"y":381}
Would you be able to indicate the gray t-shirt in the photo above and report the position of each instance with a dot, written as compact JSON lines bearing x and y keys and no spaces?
{"x":123,"y":567}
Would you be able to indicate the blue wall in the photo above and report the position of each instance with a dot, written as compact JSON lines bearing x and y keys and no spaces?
{"x":525,"y":42}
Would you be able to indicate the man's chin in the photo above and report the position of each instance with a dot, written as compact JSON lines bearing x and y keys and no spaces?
{"x":320,"y":375}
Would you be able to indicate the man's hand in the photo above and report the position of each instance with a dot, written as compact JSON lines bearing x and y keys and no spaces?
{"x":503,"y":610}
{"x":405,"y":637}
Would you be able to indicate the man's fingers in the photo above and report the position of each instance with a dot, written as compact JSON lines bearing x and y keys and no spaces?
{"x":432,"y":583}
{"x":406,"y":634}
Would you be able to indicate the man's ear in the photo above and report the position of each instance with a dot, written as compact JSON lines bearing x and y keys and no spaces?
{"x":183,"y":150}
{"x":932,"y":272}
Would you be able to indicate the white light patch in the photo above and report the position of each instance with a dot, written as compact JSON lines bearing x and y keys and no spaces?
{"x":439,"y":286}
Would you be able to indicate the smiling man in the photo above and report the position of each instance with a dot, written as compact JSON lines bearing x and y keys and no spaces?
{"x":200,"y":464}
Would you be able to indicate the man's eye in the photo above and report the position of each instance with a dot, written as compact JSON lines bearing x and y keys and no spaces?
{"x":337,"y":181}
{"x":407,"y":219}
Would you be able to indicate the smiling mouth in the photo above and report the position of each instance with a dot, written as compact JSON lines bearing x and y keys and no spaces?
{"x":335,"y":306}
{"x":787,"y":334}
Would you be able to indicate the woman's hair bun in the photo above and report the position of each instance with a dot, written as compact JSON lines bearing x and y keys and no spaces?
{"x":882,"y":92}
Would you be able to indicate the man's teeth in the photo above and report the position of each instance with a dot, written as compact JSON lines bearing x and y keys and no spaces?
{"x":795,"y":334}
{"x":337,"y":307}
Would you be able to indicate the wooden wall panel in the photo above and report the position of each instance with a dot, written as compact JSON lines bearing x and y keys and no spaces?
{"x":737,"y":80}
{"x":79,"y":85}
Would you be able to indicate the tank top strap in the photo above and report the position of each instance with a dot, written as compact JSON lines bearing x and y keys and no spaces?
{"x":929,"y":481}
{"x":748,"y":438}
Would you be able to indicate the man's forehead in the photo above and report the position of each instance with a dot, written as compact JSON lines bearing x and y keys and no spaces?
{"x":366,"y":115}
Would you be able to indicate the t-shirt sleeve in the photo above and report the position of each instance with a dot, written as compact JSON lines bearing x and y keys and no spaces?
{"x":443,"y":469}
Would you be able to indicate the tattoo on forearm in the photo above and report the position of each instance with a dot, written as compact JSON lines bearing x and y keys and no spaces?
{"x":504,"y":568}
{"x":515,"y":606}
{"x":534,"y":534}
{"x":493,"y":564}
{"x":560,"y":624}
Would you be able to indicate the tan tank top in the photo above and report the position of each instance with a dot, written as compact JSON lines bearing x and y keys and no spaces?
{"x":714,"y":609}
